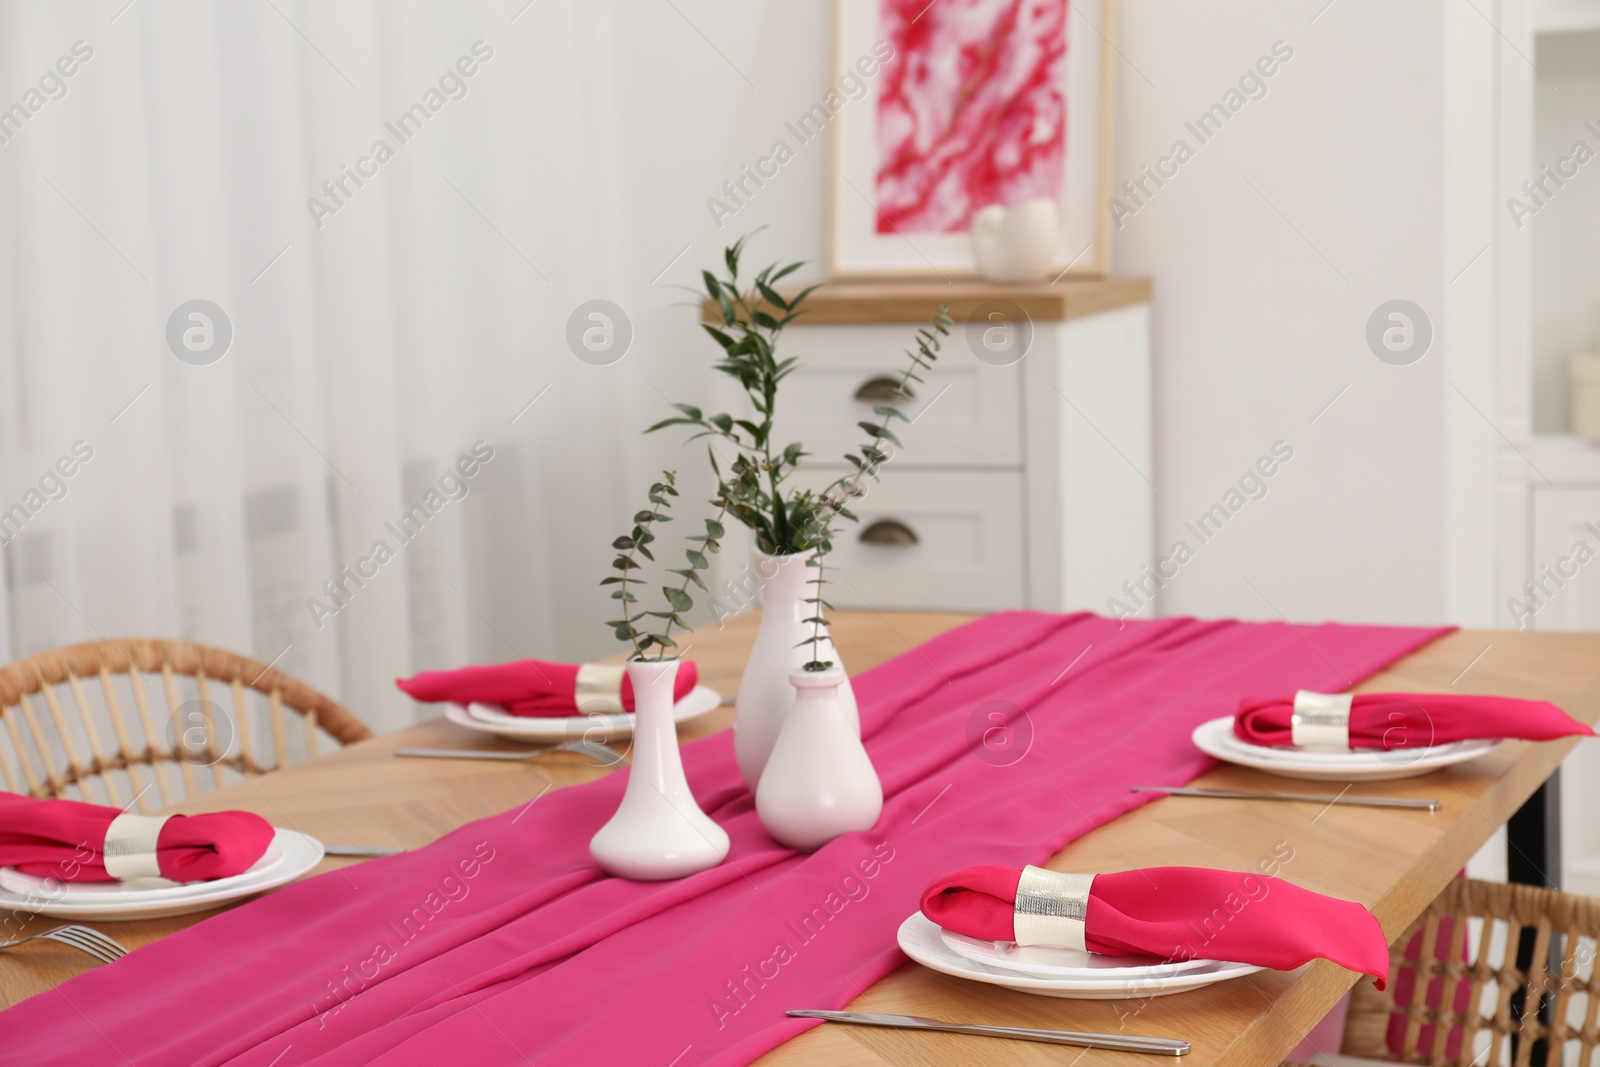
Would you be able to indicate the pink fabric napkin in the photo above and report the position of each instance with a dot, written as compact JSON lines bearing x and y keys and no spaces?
{"x":63,"y":839}
{"x":1181,"y":913}
{"x":1416,"y":720}
{"x":530,"y":687}
{"x":502,"y":942}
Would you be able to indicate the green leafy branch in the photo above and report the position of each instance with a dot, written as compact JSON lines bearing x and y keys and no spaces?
{"x":871,"y":456}
{"x":679,"y":599}
{"x":817,"y":620}
{"x":636,"y":543}
{"x":630,"y":546}
{"x":750,"y":320}
{"x":834,"y":500}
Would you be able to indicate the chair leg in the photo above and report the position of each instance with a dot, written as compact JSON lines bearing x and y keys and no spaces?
{"x":1533,"y":857}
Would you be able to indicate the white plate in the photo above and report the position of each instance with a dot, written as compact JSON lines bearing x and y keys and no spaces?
{"x":1216,"y":738}
{"x":920,"y":938}
{"x":1041,"y":961}
{"x":494,"y":720}
{"x":298,"y":853}
{"x":136,"y":891}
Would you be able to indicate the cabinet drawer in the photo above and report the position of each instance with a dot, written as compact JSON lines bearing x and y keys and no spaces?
{"x":967,"y":553}
{"x":967,"y":414}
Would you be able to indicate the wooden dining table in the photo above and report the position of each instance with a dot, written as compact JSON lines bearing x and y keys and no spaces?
{"x":1393,"y":861}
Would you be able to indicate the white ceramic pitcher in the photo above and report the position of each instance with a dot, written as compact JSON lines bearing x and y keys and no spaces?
{"x":1016,"y":245}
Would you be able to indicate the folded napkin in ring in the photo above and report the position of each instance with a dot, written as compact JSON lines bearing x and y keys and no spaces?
{"x":536,"y":688}
{"x":1172,"y":913}
{"x":1345,"y":721}
{"x":76,"y":842}
{"x":1051,"y":907}
{"x":1321,"y":721}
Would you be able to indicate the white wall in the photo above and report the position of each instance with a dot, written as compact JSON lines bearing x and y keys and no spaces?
{"x":590,"y":146}
{"x":1255,"y":331}
{"x":1261,"y":308}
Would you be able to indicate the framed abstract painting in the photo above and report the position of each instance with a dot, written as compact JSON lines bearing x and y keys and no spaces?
{"x":940,"y":108}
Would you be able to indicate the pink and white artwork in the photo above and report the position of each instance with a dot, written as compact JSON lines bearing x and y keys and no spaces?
{"x":968,"y":104}
{"x":971,"y":113}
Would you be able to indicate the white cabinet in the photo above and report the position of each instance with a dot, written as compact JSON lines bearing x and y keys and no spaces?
{"x":1563,"y":578}
{"x":1022,"y":482}
{"x":1520,"y":300}
{"x":968,"y":414}
{"x":968,"y":552}
{"x":1090,"y":463}
{"x":1564,"y":572}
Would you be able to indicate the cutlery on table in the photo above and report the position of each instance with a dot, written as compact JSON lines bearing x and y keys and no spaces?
{"x":1124,"y":1042}
{"x":361,"y":850}
{"x":1316,"y":798}
{"x":82,"y":938}
{"x":602,"y":752}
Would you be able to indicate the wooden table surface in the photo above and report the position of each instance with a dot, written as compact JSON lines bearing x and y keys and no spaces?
{"x":1394,"y":862}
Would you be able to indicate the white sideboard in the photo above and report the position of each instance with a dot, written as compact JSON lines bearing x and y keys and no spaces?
{"x":1023,"y":482}
{"x":1549,"y":541}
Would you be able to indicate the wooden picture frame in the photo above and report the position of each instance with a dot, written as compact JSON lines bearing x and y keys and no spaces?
{"x":856,"y":247}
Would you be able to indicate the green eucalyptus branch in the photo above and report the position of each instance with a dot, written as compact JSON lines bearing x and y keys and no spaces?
{"x":679,"y":599}
{"x":747,"y":322}
{"x":833,"y":501}
{"x":750,"y":320}
{"x":629,"y":546}
{"x":872,"y":457}
{"x":817,"y":620}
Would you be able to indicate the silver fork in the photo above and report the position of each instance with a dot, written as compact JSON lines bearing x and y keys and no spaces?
{"x":82,"y":938}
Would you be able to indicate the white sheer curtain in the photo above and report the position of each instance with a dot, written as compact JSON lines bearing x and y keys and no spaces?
{"x":371,"y":347}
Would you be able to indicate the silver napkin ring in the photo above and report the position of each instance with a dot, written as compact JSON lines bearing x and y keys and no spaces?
{"x":1051,"y":908}
{"x":1321,"y":721}
{"x":598,"y":688}
{"x":129,"y":851}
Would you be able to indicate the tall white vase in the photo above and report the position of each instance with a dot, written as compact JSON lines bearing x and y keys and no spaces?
{"x":765,"y":695}
{"x":658,"y":830}
{"x":819,"y":782}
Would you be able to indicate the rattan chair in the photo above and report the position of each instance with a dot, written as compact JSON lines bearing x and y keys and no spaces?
{"x":45,"y":752}
{"x":1472,"y":934}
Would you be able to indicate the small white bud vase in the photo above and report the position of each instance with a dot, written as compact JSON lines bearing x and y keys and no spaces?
{"x":765,"y":695}
{"x":819,"y":782}
{"x":658,"y":831}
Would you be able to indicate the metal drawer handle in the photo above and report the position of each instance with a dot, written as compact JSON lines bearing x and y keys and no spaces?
{"x":889,"y":532}
{"x":882,"y":390}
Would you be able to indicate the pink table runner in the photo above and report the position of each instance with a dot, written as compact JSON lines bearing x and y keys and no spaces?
{"x":502,"y":943}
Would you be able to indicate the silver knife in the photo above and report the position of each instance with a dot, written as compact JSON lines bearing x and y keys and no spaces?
{"x":1315,"y":798}
{"x":466,"y":753}
{"x":361,"y":850}
{"x":604,"y":753}
{"x":1124,"y":1042}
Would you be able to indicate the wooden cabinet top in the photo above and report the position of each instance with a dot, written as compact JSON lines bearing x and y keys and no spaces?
{"x":916,"y":301}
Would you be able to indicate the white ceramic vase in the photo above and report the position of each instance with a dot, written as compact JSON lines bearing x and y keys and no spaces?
{"x":658,"y":830}
{"x":765,"y":695}
{"x":819,"y":782}
{"x":1016,"y":245}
